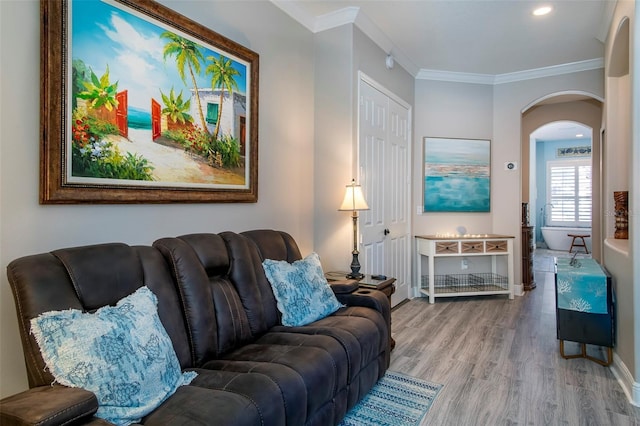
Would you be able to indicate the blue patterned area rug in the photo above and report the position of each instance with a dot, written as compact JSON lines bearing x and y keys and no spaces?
{"x":396,"y":400}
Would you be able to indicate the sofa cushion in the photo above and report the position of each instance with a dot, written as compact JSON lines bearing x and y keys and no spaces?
{"x":95,"y":284}
{"x":302,"y":292}
{"x":195,"y":405}
{"x":363,"y":338}
{"x":311,"y":369}
{"x":121,"y":353}
{"x":265,"y":393}
{"x":292,"y":388}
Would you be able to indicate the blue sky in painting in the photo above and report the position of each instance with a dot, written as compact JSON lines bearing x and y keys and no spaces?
{"x":103,"y":34}
{"x":458,"y":152}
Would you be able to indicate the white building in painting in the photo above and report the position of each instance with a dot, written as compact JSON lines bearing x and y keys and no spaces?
{"x":234,"y":112}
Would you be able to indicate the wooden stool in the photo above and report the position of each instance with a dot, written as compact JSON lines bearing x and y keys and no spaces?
{"x":575,"y":244}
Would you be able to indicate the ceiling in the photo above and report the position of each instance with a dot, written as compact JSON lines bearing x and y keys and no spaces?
{"x":483,"y":41}
{"x":476,"y":37}
{"x":563,"y":131}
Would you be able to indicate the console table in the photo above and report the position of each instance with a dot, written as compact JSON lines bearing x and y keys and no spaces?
{"x":493,"y":276}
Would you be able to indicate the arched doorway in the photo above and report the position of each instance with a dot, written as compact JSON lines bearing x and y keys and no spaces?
{"x":560,"y":184}
{"x":572,"y":112}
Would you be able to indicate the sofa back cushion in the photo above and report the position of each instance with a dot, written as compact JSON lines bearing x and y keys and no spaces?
{"x":88,"y":278}
{"x":213,"y":313}
{"x":227,"y":298}
{"x":274,"y":245}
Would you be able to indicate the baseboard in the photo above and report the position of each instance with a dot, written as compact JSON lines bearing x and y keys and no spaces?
{"x":518,"y":290}
{"x":630,"y":387}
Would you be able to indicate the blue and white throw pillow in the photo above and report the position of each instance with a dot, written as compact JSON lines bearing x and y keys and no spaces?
{"x":302,"y":293}
{"x":121,"y":353}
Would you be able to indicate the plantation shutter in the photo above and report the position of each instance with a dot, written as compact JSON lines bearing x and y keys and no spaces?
{"x":584,"y":195}
{"x":569,"y":193}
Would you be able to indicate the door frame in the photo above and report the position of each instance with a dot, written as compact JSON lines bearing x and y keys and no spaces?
{"x":364,"y":78}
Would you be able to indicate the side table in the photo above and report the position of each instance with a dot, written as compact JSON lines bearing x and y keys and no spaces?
{"x":367,"y":283}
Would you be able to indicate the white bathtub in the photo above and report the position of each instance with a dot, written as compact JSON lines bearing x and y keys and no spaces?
{"x":557,"y":239}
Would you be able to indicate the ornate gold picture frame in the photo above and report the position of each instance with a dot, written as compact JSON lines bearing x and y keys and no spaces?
{"x":140,"y":104}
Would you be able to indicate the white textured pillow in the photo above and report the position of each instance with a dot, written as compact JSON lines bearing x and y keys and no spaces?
{"x":302,"y":293}
{"x":121,"y":353}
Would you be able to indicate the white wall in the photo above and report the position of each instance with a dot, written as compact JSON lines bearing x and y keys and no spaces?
{"x":286,"y":124}
{"x":341,"y":53}
{"x":621,"y":150}
{"x":450,"y":110}
{"x":333,"y":151}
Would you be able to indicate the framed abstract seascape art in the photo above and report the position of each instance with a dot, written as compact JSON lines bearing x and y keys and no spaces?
{"x":457,"y":175}
{"x":140,"y":104}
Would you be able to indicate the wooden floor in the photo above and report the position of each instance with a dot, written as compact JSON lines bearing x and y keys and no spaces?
{"x":499,"y":362}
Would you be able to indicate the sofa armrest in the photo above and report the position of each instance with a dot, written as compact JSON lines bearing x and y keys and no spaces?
{"x":369,"y":298}
{"x":48,"y":405}
{"x":343,"y":286}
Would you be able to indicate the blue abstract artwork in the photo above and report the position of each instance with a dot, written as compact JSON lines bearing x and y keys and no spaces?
{"x":457,"y":175}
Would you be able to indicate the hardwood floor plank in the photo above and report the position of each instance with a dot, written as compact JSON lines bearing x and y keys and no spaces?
{"x":499,"y":362}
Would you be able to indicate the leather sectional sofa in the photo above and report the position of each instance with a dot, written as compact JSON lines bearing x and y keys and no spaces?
{"x":217,"y":307}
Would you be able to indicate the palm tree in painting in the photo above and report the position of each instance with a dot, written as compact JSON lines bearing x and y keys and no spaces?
{"x":100,"y":92}
{"x":175,"y":108}
{"x":223,"y":78}
{"x":187,"y":54}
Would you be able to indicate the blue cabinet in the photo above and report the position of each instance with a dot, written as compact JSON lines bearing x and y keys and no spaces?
{"x":585,"y":306}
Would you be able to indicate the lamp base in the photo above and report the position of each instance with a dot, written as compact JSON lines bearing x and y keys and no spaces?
{"x":355,"y":267}
{"x":357,"y":276}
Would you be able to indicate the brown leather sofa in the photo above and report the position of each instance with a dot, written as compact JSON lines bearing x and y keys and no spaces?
{"x":217,"y":307}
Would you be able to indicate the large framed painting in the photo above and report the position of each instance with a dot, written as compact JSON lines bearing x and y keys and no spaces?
{"x":140,"y":104}
{"x":457,"y":175}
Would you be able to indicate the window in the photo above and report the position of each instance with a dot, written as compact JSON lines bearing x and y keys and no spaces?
{"x":212,"y":113}
{"x":569,"y":192}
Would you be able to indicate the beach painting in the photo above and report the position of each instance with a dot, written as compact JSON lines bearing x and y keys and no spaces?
{"x":457,"y":175}
{"x":157,"y":107}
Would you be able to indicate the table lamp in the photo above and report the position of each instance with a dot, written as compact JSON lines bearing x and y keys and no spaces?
{"x":354,"y":202}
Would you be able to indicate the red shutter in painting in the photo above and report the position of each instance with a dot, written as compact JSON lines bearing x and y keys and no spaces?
{"x":156,"y":113}
{"x":121,"y":113}
{"x":243,"y":135}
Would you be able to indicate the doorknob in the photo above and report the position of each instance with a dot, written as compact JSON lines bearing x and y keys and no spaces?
{"x":386,"y":231}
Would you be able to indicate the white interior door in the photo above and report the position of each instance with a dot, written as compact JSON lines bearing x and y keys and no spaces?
{"x":384,"y":125}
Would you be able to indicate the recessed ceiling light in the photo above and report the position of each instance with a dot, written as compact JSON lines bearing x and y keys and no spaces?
{"x":542,"y":10}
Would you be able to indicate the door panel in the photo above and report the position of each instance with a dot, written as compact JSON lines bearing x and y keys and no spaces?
{"x":156,"y":116}
{"x":398,"y":205}
{"x":121,"y":113}
{"x":385,"y":179}
{"x":373,"y":135}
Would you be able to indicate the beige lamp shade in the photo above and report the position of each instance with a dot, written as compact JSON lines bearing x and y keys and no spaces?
{"x":353,"y":198}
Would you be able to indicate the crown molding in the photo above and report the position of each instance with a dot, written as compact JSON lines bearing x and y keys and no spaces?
{"x":460,"y":77}
{"x":347,"y":15}
{"x":353,"y":15}
{"x":587,"y":65}
{"x":455,"y":77}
